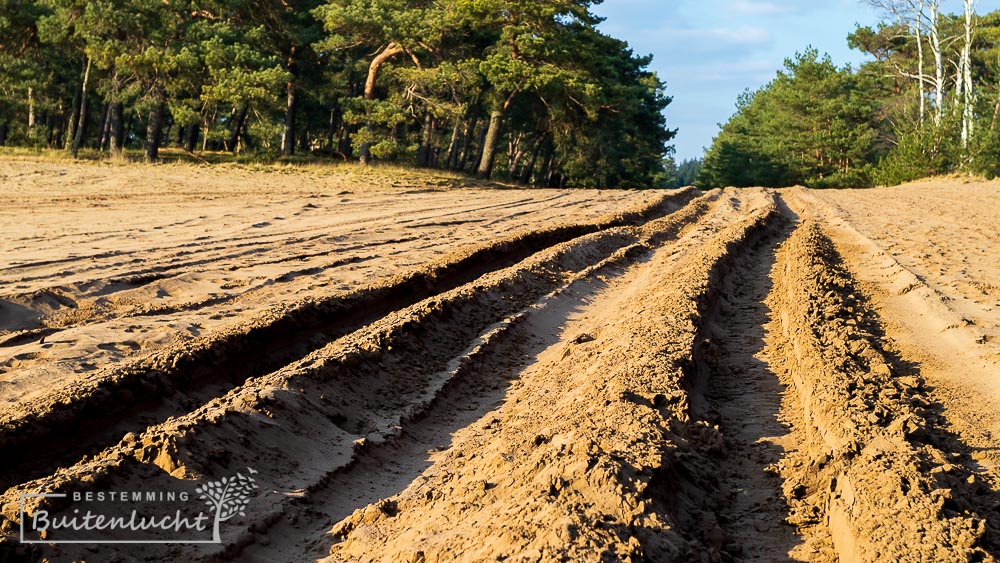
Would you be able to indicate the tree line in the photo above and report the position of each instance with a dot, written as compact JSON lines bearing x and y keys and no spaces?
{"x":926,"y":104}
{"x":530,"y":92}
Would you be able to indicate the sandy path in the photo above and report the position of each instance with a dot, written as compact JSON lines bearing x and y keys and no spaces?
{"x":952,"y":247}
{"x":743,"y":395}
{"x":505,"y":375}
{"x":130,"y":270}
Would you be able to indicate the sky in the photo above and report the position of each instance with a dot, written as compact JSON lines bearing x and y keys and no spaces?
{"x":709,"y":51}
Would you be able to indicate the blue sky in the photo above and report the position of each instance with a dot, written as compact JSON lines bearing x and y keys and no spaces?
{"x":709,"y":51}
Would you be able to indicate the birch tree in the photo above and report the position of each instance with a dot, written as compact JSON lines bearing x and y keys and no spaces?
{"x":965,"y":78}
{"x":923,"y":18}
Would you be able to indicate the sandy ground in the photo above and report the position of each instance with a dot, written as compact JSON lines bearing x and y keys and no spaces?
{"x":935,"y":280}
{"x":411,"y":370}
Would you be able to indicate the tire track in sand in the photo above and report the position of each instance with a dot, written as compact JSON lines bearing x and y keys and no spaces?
{"x":737,"y":391}
{"x":362,"y":420}
{"x":92,"y":414}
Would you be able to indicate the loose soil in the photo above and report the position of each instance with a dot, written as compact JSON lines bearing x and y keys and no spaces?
{"x":417,"y":370}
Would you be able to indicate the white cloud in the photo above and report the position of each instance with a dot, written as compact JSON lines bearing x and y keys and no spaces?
{"x":745,"y":35}
{"x":741,"y":74}
{"x":762,"y":7}
{"x":787,"y":7}
{"x":731,"y":41}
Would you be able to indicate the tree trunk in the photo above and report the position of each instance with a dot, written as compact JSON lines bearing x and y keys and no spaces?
{"x":490,"y":144}
{"x":288,"y":136}
{"x":549,"y":170}
{"x":78,"y":137}
{"x":165,"y":135}
{"x":526,"y":173}
{"x":3,"y":133}
{"x":331,"y":130}
{"x":31,"y":112}
{"x":519,"y":152}
{"x":938,"y":62}
{"x":391,"y":50}
{"x":238,"y":123}
{"x":50,"y":124}
{"x":304,"y":140}
{"x":154,"y":131}
{"x":452,"y":156}
{"x":920,"y":62}
{"x":116,"y":133}
{"x":432,"y":149}
{"x":74,"y":116}
{"x":968,"y":96}
{"x":105,"y":127}
{"x":480,"y":145}
{"x":191,"y":137}
{"x":344,"y":144}
{"x":426,"y":135}
{"x":206,"y":125}
{"x":470,"y":134}
{"x":959,"y":73}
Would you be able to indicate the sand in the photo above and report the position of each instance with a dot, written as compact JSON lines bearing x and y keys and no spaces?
{"x":418,"y":370}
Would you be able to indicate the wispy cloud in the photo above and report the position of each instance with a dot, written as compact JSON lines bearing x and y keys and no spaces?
{"x":742,"y":72}
{"x":686,"y":42}
{"x":744,"y":35}
{"x":763,"y":7}
{"x":786,"y":7}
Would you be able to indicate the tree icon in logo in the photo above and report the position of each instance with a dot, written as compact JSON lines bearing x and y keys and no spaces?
{"x":229,"y":496}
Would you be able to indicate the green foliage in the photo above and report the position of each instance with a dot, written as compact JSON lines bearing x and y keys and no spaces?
{"x":406,"y":80}
{"x":814,"y":124}
{"x":910,"y":144}
{"x":821,"y":126}
{"x":619,"y":134}
{"x":920,"y":153}
{"x":688,"y":171}
{"x":986,"y":161}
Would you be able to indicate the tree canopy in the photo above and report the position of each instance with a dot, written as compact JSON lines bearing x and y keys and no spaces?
{"x":926,"y":104}
{"x":813,"y":124}
{"x":531,"y":92}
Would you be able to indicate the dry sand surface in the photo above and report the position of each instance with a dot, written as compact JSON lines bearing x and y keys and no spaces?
{"x":394,"y":367}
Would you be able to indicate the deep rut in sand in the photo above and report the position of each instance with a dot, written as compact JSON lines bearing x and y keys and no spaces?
{"x":61,"y":428}
{"x":583,"y":436}
{"x":738,"y":391}
{"x":478,"y":385}
{"x":389,"y":350}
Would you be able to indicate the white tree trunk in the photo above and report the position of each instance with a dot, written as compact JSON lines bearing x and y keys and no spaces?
{"x":935,"y":34}
{"x":31,"y":111}
{"x":78,"y":138}
{"x":959,"y":82}
{"x":918,"y":31}
{"x":968,"y":95}
{"x":912,"y":14}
